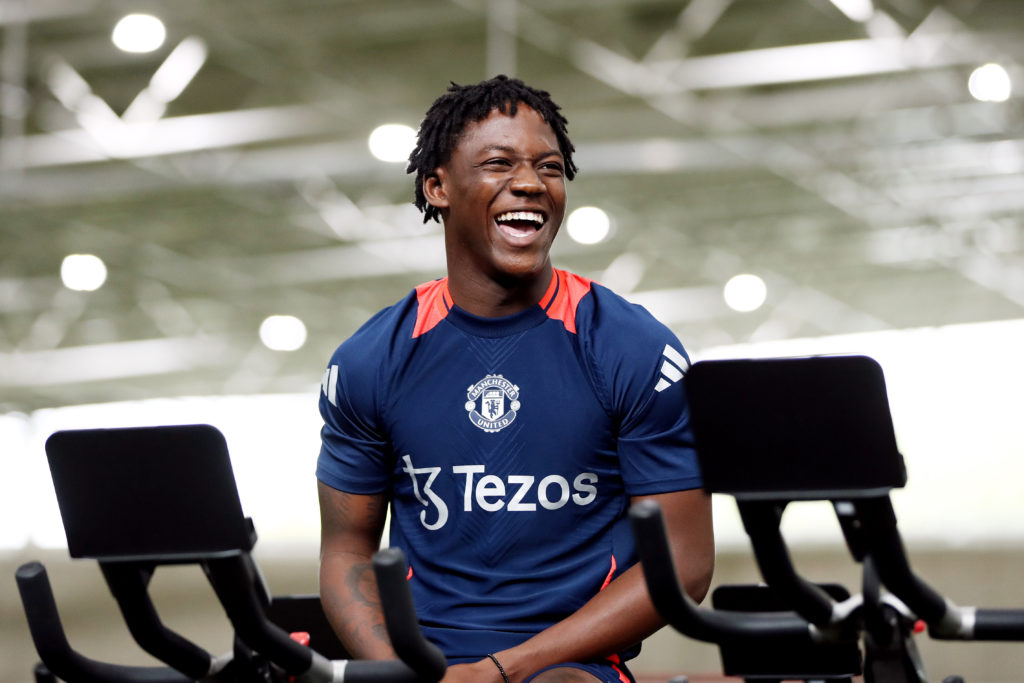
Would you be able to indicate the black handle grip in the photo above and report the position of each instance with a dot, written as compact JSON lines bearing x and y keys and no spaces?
{"x":999,"y":624}
{"x":393,"y":671}
{"x":52,"y":644}
{"x":676,"y":607}
{"x":400,"y":617}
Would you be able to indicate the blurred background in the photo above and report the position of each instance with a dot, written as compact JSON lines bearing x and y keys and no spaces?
{"x":200,"y":200}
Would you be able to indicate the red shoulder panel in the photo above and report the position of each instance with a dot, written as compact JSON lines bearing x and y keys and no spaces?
{"x":563,"y":296}
{"x":433,"y":303}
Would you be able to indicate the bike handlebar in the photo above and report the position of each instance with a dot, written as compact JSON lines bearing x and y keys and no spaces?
{"x":945,"y":620}
{"x":998,"y":624}
{"x":762,"y":520}
{"x":233,"y":580}
{"x":676,"y":607}
{"x":128,"y":584}
{"x":400,"y":617}
{"x":52,"y":644}
{"x":421,"y":661}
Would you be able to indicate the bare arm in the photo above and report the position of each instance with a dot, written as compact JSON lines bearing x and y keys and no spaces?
{"x":350,"y":533}
{"x":622,"y":614}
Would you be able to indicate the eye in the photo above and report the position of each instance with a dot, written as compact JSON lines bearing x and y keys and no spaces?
{"x":497,"y":161}
{"x":553,"y":167}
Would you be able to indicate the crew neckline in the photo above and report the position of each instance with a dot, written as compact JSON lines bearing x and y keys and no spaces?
{"x":502,"y":326}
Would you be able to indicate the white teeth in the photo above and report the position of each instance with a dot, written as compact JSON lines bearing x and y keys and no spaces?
{"x":521,"y":216}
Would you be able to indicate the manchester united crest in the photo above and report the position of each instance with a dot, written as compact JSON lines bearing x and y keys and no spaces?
{"x":492,"y":403}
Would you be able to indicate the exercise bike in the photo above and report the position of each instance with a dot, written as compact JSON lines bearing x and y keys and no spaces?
{"x":780,"y":431}
{"x":139,"y":498}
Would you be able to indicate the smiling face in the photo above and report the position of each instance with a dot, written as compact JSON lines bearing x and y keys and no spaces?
{"x":502,"y":197}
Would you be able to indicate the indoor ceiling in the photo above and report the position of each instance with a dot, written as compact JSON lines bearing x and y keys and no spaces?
{"x":843,"y":161}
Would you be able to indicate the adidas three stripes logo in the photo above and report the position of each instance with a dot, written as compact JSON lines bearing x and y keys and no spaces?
{"x":673,"y":367}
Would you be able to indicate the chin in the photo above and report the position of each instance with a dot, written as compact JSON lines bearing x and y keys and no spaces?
{"x":512,"y":272}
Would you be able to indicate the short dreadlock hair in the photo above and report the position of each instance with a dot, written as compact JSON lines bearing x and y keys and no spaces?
{"x":461,"y":105}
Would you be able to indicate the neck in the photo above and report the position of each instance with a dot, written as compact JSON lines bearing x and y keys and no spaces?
{"x":496,"y":297}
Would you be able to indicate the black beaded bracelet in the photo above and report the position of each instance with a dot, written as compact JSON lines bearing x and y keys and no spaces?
{"x":500,"y":668}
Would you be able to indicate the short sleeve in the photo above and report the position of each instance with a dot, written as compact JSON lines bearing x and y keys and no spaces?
{"x":656,"y":446}
{"x":640,"y":365}
{"x":354,"y":453}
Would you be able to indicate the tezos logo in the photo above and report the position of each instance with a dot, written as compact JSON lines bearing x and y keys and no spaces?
{"x":492,"y":403}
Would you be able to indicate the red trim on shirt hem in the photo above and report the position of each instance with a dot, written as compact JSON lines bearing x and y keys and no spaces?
{"x":615,"y":662}
{"x":608,"y":579}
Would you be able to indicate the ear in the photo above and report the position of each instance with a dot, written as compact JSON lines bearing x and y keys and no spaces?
{"x":435,"y":188}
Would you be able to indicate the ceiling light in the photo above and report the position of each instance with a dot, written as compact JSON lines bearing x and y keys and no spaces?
{"x":856,"y":10}
{"x":139,"y":33}
{"x":83,"y":272}
{"x":990,"y":83}
{"x":283,"y":333}
{"x":745,"y":293}
{"x":588,"y":225}
{"x":392,"y":142}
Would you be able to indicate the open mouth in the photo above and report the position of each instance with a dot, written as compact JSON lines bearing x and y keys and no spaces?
{"x":520,"y":223}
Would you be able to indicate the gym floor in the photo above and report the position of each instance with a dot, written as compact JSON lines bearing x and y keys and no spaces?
{"x":986,"y":577}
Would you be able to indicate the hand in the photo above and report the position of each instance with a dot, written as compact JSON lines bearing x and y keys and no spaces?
{"x":483,"y":671}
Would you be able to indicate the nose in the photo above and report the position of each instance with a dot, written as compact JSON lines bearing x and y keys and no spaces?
{"x":526,"y":181}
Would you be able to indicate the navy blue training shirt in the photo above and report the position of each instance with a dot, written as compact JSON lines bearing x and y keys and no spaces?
{"x":509,"y":448}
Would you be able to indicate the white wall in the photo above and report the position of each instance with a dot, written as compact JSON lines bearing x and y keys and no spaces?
{"x":957,"y":399}
{"x":273,"y":442}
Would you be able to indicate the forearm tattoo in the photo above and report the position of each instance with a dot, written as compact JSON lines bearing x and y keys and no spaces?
{"x":353,"y":601}
{"x":362,"y":587}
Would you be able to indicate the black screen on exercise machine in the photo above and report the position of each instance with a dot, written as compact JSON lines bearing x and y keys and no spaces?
{"x":794,"y":428}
